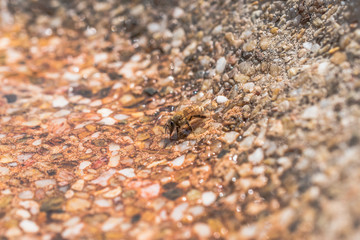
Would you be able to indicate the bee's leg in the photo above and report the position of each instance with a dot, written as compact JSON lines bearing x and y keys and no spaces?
{"x":177,"y":132}
{"x":197,"y":116}
{"x":187,"y":123}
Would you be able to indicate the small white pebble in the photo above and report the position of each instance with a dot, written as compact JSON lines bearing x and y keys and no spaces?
{"x":107,"y":121}
{"x":307,"y":45}
{"x":249,"y":87}
{"x":177,"y":162}
{"x":311,"y":113}
{"x":96,"y":103}
{"x":285,"y":162}
{"x":113,"y":193}
{"x":111,"y":223}
{"x":114,"y":161}
{"x":72,"y":77}
{"x":60,"y":102}
{"x":178,"y":212}
{"x":196,"y":210}
{"x":78,"y":185}
{"x":220,"y":65}
{"x":221,"y":99}
{"x":217,"y":29}
{"x":62,"y":113}
{"x":208,"y":198}
{"x":37,"y":142}
{"x":202,"y":230}
{"x":121,"y":117}
{"x":178,"y":12}
{"x":257,"y":156}
{"x":154,"y":27}
{"x":103,"y":203}
{"x":45,"y":183}
{"x":4,"y":171}
{"x":29,"y":226}
{"x":100,"y":57}
{"x":72,"y":231}
{"x":26,"y":195}
{"x":104,"y":112}
{"x":127,"y":172}
{"x":24,"y":214}
{"x":114,"y":147}
{"x":84,"y":165}
{"x":230,"y":137}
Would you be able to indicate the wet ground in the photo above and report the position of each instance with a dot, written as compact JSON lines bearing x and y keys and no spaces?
{"x":179,"y":120}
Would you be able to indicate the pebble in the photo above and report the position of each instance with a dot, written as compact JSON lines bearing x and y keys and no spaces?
{"x":220,"y":65}
{"x":72,"y":231}
{"x":217,"y":29}
{"x":113,"y":193}
{"x":338,"y":58}
{"x":78,"y":185}
{"x":311,"y":112}
{"x":45,"y":183}
{"x":264,"y":43}
{"x":177,"y":162}
{"x":178,"y":212}
{"x":84,"y":165}
{"x":196,"y":210}
{"x":6,"y":158}
{"x":154,"y":27}
{"x":107,"y":121}
{"x":178,"y":12}
{"x":150,"y":191}
{"x":114,"y":147}
{"x":257,"y":156}
{"x":77,"y":204}
{"x":103,"y":203}
{"x":111,"y":223}
{"x":24,"y":214}
{"x":102,"y":180}
{"x":202,"y":230}
{"x":104,"y":112}
{"x":230,"y":137}
{"x":249,"y":87}
{"x":127,"y":172}
{"x":60,"y":102}
{"x":29,"y":226}
{"x":221,"y":99}
{"x":114,"y":161}
{"x":26,"y":195}
{"x":208,"y":198}
{"x":4,"y":171}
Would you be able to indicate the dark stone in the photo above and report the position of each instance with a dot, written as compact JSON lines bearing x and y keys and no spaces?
{"x":55,"y":141}
{"x":169,"y":185}
{"x":43,"y":151}
{"x":52,"y":205}
{"x":222,"y":153}
{"x":51,"y":172}
{"x":150,"y":91}
{"x":82,"y":91}
{"x":10,"y":98}
{"x":114,"y":76}
{"x":354,"y":140}
{"x":173,"y":193}
{"x":135,"y":218}
{"x":246,"y":55}
{"x":103,"y":92}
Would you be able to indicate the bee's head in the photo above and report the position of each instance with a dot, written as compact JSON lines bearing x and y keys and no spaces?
{"x":169,"y":126}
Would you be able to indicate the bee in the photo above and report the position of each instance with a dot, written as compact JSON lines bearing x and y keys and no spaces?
{"x":183,"y":117}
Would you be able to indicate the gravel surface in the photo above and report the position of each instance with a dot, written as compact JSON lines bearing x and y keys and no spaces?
{"x":162,"y":119}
